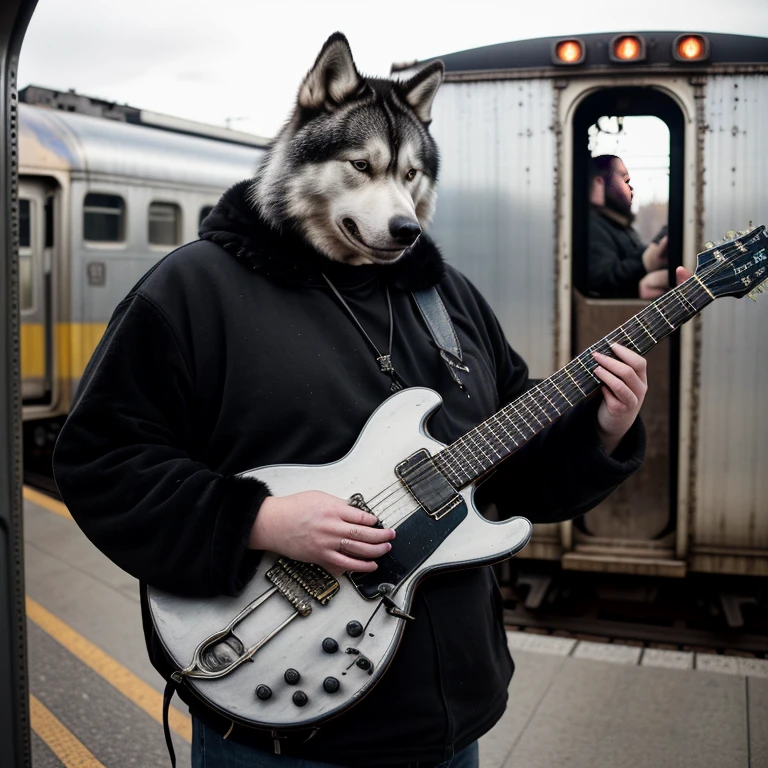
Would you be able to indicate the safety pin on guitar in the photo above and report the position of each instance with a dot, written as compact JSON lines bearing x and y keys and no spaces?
{"x":298,"y":582}
{"x":199,"y":669}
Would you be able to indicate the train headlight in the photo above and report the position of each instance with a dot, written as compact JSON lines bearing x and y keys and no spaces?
{"x":628,"y":48}
{"x":691,"y":48}
{"x":570,"y":51}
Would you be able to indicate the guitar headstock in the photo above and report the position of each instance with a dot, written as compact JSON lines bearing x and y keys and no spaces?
{"x":736,"y":267}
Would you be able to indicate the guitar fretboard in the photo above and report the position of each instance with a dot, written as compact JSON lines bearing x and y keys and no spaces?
{"x":483,"y":447}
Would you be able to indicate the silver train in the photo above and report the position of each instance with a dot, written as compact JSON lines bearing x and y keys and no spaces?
{"x":105,"y":199}
{"x":104,"y":192}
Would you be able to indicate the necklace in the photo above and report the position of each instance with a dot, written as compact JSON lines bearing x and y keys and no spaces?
{"x":384,"y":361}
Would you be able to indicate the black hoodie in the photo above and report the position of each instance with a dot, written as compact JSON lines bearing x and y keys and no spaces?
{"x":233,"y":353}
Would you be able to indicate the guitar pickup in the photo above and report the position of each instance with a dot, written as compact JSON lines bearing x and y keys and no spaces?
{"x":428,"y":485}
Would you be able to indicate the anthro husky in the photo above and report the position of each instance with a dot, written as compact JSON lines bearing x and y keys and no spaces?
{"x":354,"y":168}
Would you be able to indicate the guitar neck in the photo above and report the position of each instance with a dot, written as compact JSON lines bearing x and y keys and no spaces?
{"x":489,"y":443}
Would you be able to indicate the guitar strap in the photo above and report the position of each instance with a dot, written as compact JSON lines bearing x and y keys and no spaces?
{"x":443,"y":333}
{"x":170,"y":689}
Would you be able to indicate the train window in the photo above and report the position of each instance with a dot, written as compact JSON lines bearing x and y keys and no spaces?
{"x":164,"y":224}
{"x":25,"y":255}
{"x":628,"y":192}
{"x":103,"y":218}
{"x":204,"y":211}
{"x":24,"y":224}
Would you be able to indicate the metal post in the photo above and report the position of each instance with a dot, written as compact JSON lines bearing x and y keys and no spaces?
{"x":15,"y":750}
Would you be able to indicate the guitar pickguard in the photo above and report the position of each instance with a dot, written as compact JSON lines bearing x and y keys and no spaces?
{"x":417,"y":538}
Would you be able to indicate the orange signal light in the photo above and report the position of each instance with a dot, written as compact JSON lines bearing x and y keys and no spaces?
{"x":568,"y":52}
{"x":628,"y":48}
{"x":691,"y":48}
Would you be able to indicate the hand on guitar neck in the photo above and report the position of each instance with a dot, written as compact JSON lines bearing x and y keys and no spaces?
{"x":625,"y":383}
{"x":315,"y":527}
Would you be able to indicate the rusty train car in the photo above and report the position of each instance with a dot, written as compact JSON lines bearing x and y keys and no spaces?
{"x":514,"y":123}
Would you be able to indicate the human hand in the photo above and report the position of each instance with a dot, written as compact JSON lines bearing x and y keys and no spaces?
{"x":653,"y":284}
{"x":625,"y":383}
{"x":315,"y":527}
{"x":655,"y":255}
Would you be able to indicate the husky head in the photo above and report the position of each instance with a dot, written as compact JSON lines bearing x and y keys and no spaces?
{"x":354,"y":168}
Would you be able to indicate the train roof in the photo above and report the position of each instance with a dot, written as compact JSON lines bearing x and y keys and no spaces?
{"x":538,"y":53}
{"x":51,"y":139}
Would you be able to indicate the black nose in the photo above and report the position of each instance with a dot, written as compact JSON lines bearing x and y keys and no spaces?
{"x":404,"y":230}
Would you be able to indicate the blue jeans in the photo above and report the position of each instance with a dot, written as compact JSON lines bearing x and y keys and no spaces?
{"x":210,"y":750}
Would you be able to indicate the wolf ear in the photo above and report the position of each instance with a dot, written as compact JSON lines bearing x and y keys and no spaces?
{"x":420,"y":90}
{"x":334,"y":76}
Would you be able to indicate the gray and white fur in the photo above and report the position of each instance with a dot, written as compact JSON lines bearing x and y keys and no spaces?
{"x":354,"y":169}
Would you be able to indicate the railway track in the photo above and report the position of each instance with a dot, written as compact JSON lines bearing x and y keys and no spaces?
{"x":701,"y":612}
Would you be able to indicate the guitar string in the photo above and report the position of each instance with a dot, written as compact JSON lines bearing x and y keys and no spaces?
{"x":668,"y":301}
{"x":505,"y":448}
{"x":528,"y":395}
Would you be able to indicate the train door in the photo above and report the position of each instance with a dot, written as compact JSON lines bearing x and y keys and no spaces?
{"x":35,"y":260}
{"x":634,"y":530}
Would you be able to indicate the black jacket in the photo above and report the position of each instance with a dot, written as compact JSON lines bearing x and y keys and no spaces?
{"x":232,"y":353}
{"x":615,"y":263}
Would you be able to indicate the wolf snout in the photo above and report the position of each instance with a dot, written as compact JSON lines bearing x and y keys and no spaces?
{"x":404,"y":230}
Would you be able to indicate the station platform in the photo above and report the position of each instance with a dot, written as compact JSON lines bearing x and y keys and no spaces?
{"x":96,"y":701}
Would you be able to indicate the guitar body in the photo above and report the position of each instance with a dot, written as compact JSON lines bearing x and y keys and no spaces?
{"x":426,"y":543}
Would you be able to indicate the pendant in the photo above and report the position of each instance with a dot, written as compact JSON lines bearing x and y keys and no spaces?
{"x":385,"y":363}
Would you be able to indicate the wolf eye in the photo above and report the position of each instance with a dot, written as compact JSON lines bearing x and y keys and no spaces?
{"x":411,"y":175}
{"x":361,"y":165}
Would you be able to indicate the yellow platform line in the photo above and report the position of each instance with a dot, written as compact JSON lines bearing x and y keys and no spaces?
{"x":62,"y":742}
{"x":46,"y":502}
{"x":132,"y":687}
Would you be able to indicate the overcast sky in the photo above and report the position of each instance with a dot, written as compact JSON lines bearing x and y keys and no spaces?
{"x":243,"y":61}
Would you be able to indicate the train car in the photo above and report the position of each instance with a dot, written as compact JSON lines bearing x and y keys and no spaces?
{"x":104,"y":192}
{"x":516,"y":125}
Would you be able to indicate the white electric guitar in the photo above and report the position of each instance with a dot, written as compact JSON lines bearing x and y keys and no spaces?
{"x":299,"y":646}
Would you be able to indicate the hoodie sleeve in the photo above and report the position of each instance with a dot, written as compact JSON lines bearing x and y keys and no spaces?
{"x":564,"y":471}
{"x":124,"y":465}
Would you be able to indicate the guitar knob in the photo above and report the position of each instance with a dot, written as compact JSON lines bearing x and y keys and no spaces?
{"x":300,"y":698}
{"x":292,"y":676}
{"x":331,"y":685}
{"x":354,"y":629}
{"x":364,"y":664}
{"x":330,"y":645}
{"x":263,"y":692}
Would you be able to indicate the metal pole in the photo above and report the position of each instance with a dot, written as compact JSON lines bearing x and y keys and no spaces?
{"x":15,"y":750}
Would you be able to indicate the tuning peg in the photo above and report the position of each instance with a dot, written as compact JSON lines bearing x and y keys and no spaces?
{"x":709,"y":244}
{"x":729,"y":235}
{"x":760,"y":288}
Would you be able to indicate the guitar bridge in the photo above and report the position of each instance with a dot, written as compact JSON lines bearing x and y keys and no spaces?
{"x":298,"y":582}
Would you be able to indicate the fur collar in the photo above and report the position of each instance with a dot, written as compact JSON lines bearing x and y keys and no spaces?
{"x":286,"y":258}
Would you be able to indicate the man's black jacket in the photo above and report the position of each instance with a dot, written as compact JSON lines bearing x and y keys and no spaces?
{"x":615,"y":262}
{"x":232,"y":353}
